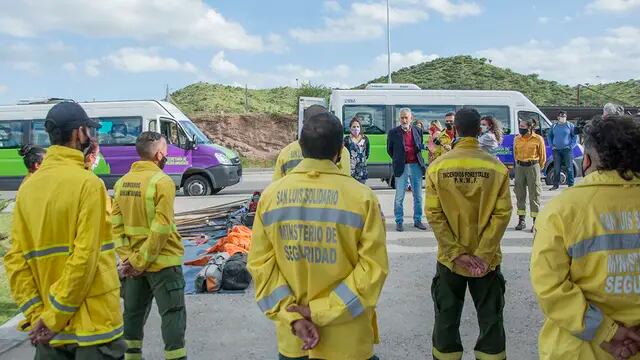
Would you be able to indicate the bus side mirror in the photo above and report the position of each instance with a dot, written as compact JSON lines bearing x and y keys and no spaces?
{"x":192,"y":144}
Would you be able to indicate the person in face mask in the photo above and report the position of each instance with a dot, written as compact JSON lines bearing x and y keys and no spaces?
{"x":563,"y":138}
{"x":359,"y":149}
{"x":150,"y":248}
{"x":435,"y":150}
{"x":584,"y":260}
{"x":491,"y":136}
{"x":92,"y":156}
{"x":61,"y":264}
{"x":529,"y":153}
{"x":404,"y":146}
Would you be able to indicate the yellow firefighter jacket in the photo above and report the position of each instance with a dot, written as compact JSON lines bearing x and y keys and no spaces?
{"x":585,"y":266}
{"x":468,"y":204}
{"x":319,"y":240}
{"x":291,"y":156}
{"x":61,"y":265}
{"x":143,"y":221}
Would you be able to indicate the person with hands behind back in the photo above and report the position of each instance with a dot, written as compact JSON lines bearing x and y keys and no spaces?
{"x":318,"y":254}
{"x":585,"y":261}
{"x":468,"y":205}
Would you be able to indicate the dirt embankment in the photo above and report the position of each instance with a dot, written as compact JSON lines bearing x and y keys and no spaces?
{"x":255,"y":136}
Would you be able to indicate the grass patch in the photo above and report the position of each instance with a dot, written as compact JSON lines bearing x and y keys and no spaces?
{"x":8,"y":308}
{"x":256,"y":163}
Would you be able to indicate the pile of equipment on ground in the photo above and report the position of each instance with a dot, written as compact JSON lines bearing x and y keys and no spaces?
{"x":217,"y":241}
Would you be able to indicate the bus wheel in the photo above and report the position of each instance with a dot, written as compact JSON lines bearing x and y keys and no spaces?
{"x":551,"y":175}
{"x":197,"y":185}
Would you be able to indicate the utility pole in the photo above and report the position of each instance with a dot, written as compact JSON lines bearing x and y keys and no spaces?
{"x":388,"y":45}
{"x":246,"y":98}
{"x":578,"y":96}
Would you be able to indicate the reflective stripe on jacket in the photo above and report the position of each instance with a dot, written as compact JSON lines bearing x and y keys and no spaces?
{"x":61,"y":265}
{"x":291,"y":156}
{"x":468,"y":204}
{"x":585,"y":266}
{"x":319,"y":240}
{"x":143,"y":220}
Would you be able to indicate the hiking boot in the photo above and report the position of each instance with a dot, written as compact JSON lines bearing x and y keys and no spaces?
{"x":521,"y":223}
{"x":420,"y":226}
{"x":399,"y":228}
{"x":555,"y":187}
{"x":533,"y":227}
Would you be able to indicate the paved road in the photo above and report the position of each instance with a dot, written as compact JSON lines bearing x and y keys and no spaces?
{"x":231,"y":326}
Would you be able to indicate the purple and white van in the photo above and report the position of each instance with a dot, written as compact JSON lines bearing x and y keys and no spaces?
{"x":195,"y":163}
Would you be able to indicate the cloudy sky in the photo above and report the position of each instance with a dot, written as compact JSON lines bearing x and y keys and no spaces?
{"x":129,"y":49}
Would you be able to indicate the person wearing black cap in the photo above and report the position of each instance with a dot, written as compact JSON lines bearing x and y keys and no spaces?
{"x":291,"y":155}
{"x":562,"y":138}
{"x":61,"y":265}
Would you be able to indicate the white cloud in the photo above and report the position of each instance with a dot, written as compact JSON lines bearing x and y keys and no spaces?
{"x":362,"y":21}
{"x":613,"y":5}
{"x":612,"y":57}
{"x":92,"y":67}
{"x":26,"y":66}
{"x":138,"y":60}
{"x":276,"y":43}
{"x":224,"y":67}
{"x":3,"y":89}
{"x":543,"y":20}
{"x":452,"y":10}
{"x":367,"y":20}
{"x":185,"y":23}
{"x":332,"y":6}
{"x":70,"y":67}
{"x":399,"y":60}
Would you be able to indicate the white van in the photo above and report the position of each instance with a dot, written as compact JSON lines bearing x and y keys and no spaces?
{"x":377,"y":107}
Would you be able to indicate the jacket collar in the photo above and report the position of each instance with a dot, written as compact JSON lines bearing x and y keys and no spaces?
{"x":609,"y":177}
{"x":62,"y":154}
{"x":467,"y":143}
{"x":317,"y":166}
{"x":144,"y":165}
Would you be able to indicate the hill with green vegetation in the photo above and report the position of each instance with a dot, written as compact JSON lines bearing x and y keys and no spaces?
{"x":453,"y":73}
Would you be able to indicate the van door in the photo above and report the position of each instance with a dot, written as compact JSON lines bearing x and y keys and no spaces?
{"x":303,"y":104}
{"x":180,"y":146}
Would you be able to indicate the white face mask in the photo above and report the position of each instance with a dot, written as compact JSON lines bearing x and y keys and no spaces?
{"x":95,"y":163}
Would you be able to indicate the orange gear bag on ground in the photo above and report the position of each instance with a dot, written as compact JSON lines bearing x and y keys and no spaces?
{"x":237,"y":240}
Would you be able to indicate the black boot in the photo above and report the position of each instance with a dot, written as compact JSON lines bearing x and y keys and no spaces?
{"x":521,"y":223}
{"x":533,"y":228}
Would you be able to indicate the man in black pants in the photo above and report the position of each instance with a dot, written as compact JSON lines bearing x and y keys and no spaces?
{"x":468,"y":205}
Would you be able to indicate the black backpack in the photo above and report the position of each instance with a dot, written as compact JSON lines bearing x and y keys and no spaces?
{"x":235,"y":275}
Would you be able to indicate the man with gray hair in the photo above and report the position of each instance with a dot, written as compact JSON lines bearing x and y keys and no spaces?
{"x":405,"y":145}
{"x":610,"y":109}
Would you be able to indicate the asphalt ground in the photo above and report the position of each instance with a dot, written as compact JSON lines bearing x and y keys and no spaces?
{"x":230,"y":326}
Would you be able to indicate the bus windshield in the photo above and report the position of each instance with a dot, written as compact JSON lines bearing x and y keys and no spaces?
{"x":196,"y":133}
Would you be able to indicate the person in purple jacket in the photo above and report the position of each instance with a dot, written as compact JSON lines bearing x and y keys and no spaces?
{"x":562,"y":138}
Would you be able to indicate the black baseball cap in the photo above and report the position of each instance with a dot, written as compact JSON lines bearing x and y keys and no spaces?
{"x":70,"y":115}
